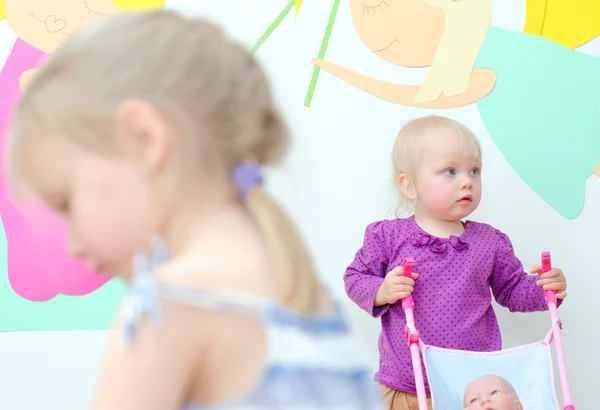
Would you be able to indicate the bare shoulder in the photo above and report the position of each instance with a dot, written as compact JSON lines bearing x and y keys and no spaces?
{"x":188,"y":352}
{"x":162,"y":352}
{"x":231,"y":344}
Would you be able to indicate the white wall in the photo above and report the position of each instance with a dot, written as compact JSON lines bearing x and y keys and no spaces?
{"x":335,"y":182}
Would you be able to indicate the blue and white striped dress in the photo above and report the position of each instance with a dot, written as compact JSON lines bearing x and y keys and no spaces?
{"x":312,"y":361}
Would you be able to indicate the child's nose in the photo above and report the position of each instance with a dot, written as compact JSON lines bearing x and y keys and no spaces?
{"x":467,"y":183}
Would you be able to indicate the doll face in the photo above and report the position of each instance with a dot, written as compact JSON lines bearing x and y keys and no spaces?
{"x":45,"y":24}
{"x":491,"y":393}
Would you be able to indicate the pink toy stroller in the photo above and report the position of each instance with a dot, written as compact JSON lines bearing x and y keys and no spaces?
{"x":527,"y":368}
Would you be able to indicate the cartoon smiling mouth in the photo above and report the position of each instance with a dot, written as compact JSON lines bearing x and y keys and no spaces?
{"x":395,"y":40}
{"x":53,"y":25}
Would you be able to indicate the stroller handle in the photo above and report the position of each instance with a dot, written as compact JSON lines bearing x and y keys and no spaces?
{"x":407,"y":266}
{"x":546,"y":266}
{"x":412,"y":334}
{"x":552,"y":302}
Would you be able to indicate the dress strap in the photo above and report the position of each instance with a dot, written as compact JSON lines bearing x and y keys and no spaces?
{"x":143,"y":300}
{"x":145,"y":291}
{"x":237,"y":302}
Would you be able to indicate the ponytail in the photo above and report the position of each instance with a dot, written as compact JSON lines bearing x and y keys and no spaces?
{"x":297,"y":285}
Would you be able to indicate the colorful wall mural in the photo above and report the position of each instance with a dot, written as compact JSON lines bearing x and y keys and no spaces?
{"x":41,"y":288}
{"x":546,"y":127}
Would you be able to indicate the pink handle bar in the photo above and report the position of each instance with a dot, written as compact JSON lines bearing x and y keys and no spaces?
{"x":551,"y":301}
{"x":412,"y":334}
{"x":407,"y":266}
{"x":546,"y":266}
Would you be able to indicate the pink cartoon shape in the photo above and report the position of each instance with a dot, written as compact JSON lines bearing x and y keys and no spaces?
{"x":39,"y":266}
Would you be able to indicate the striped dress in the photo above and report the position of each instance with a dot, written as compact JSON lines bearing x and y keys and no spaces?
{"x":312,"y":361}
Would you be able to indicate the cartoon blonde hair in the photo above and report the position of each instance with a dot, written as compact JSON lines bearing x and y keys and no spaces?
{"x":122,"y":4}
{"x":199,"y":80}
{"x":406,"y":152}
{"x":465,"y":29}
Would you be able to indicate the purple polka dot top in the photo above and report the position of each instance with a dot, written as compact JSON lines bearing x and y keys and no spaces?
{"x":453,"y":294}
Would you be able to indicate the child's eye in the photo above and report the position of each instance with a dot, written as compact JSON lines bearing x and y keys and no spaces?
{"x":474,"y":172}
{"x":63,"y":206}
{"x":450,"y":171}
{"x":473,"y":401}
{"x":495,"y":392}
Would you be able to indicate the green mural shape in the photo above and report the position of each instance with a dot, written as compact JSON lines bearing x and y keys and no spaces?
{"x":324,"y":43}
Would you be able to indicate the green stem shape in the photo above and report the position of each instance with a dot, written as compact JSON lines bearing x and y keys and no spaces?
{"x":324,"y":44}
{"x":273,"y":26}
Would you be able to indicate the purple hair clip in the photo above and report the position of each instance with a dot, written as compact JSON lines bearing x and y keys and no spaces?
{"x":246,"y":176}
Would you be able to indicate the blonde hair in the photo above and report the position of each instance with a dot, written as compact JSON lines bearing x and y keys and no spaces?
{"x":192,"y":72}
{"x":406,"y":152}
{"x":122,"y":4}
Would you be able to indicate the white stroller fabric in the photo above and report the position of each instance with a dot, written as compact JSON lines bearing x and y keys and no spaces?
{"x":527,"y":368}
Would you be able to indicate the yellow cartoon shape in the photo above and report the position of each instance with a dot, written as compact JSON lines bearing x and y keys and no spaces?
{"x":571,"y":23}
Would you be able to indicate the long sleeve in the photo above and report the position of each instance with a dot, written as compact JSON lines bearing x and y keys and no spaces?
{"x":512,"y":287}
{"x":365,"y":274}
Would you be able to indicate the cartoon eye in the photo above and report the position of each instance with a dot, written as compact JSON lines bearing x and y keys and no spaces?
{"x":90,"y":12}
{"x":368,"y":9}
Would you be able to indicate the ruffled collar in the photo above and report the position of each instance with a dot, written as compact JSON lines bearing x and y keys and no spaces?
{"x":419,"y":238}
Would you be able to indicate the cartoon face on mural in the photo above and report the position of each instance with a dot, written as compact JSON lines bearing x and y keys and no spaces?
{"x":44,"y":24}
{"x":419,"y":33}
{"x":405,"y":33}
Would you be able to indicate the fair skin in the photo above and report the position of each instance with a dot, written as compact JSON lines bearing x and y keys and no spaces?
{"x":140,"y":190}
{"x":445,"y":189}
{"x":491,"y":393}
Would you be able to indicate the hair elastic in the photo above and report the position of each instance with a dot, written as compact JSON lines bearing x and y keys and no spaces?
{"x":246,"y":176}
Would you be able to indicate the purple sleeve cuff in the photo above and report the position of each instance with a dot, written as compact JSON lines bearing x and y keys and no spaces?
{"x":512,"y":287}
{"x":365,"y":274}
{"x":362,"y":289}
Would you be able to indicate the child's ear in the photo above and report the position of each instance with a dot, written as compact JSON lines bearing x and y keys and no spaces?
{"x":519,"y":405}
{"x":145,"y":133}
{"x":407,"y":187}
